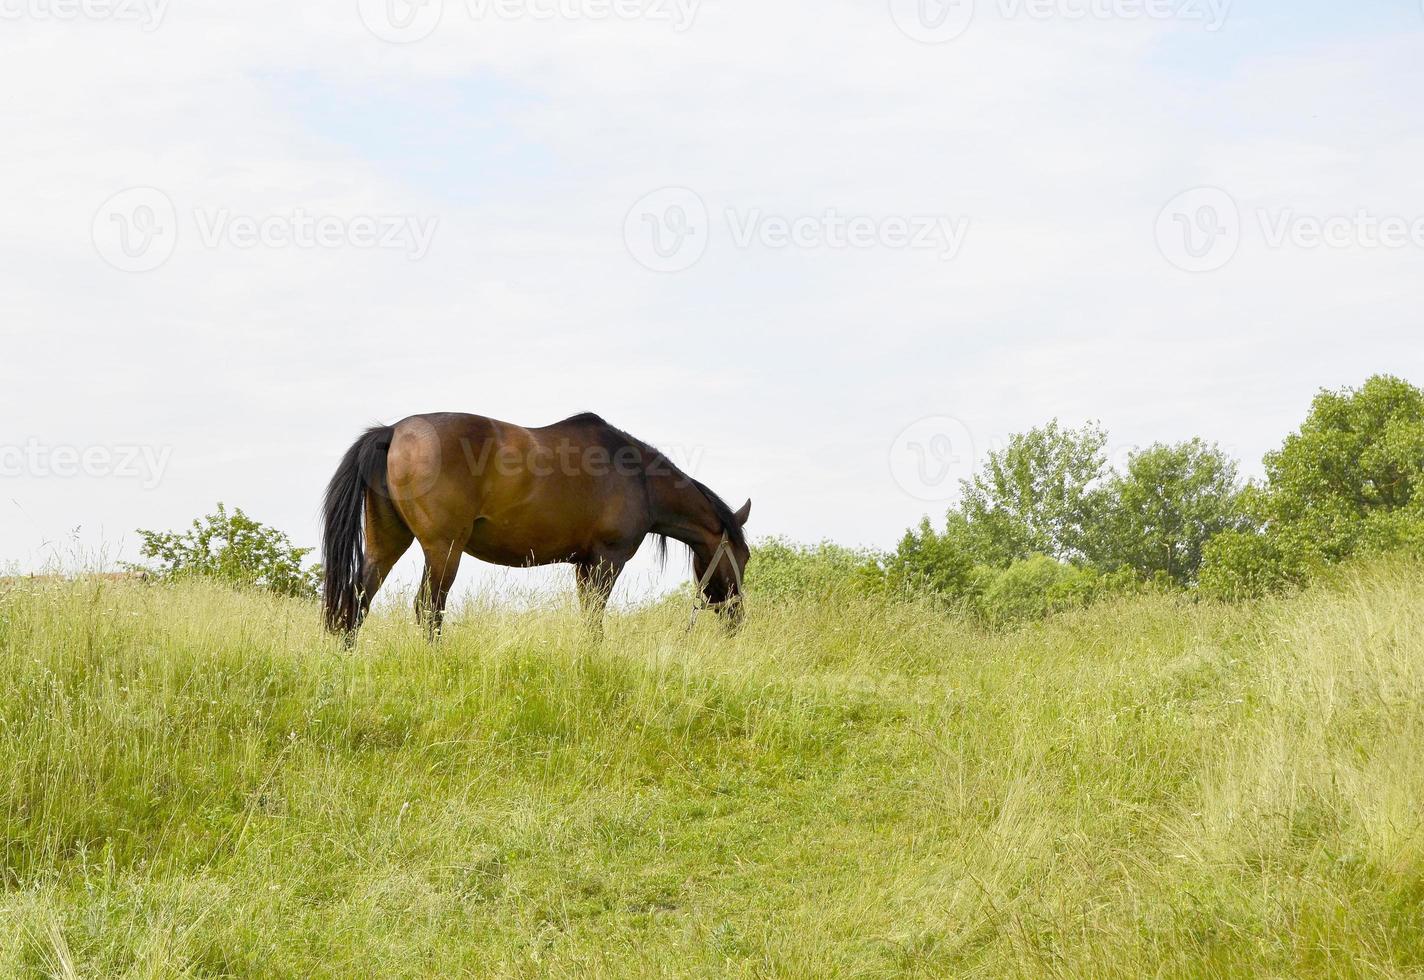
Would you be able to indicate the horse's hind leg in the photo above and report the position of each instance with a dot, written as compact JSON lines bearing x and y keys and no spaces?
{"x":387,"y":539}
{"x":442,"y":563}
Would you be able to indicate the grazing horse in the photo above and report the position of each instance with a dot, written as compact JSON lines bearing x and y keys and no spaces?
{"x":578,"y":491}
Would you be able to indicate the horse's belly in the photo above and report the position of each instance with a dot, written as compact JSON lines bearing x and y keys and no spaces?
{"x":520,"y":546}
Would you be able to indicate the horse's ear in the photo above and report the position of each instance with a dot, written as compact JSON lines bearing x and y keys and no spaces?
{"x":743,"y":514}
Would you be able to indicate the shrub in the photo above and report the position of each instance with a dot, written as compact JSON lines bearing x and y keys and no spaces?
{"x":928,"y":563}
{"x":784,"y":569}
{"x":1393,"y":531}
{"x":233,"y":548}
{"x":1039,"y":586}
{"x":1246,"y":564}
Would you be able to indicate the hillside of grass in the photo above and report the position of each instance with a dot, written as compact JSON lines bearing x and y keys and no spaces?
{"x":195,"y":783}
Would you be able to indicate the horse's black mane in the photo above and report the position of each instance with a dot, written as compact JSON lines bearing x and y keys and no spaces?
{"x":725,"y":516}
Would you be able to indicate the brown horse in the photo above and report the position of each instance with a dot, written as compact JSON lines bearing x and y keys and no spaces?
{"x":578,"y":491}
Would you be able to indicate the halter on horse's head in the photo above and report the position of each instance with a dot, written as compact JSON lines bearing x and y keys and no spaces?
{"x":719,"y":585}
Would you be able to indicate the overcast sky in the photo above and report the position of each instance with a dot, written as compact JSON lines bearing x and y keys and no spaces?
{"x":825,"y":253}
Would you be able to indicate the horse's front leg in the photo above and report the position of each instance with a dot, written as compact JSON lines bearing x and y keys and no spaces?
{"x":596,"y":578}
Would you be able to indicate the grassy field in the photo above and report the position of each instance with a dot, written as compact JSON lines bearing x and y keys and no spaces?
{"x":196,"y":783}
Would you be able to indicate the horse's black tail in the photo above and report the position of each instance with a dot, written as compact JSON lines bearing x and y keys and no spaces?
{"x":343,"y":552}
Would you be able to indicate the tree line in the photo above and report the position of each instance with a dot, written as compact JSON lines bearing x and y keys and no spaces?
{"x":1047,"y":524}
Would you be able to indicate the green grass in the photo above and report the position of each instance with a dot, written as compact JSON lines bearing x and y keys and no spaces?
{"x":196,"y":783}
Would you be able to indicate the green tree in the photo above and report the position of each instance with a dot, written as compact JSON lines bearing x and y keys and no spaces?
{"x":1358,"y":459}
{"x":926,"y":561}
{"x":1038,"y":496}
{"x":1351,"y":480}
{"x":1041,"y":495}
{"x":233,"y":548}
{"x":1159,"y":514}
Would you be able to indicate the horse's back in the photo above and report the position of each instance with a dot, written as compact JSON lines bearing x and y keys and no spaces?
{"x":519,"y":493}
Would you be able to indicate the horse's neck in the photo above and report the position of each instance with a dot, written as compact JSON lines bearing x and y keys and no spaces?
{"x":681,"y":512}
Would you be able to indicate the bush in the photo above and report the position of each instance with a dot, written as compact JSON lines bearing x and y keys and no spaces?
{"x":1247,"y":564}
{"x":1039,"y":586}
{"x":783,"y":569}
{"x":928,"y":563}
{"x":232,"y":548}
{"x":1393,"y":532}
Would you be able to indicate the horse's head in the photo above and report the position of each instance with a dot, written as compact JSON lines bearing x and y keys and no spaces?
{"x":719,"y":570}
